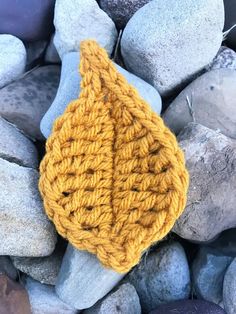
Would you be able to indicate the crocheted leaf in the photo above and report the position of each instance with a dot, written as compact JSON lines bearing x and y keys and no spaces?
{"x":113,"y":179}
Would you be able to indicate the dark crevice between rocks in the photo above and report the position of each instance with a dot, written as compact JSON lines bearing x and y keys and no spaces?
{"x":14,"y":160}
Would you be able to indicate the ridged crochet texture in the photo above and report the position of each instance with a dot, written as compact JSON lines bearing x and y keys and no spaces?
{"x":113,"y":179}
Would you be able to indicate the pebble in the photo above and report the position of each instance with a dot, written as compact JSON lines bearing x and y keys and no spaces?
{"x":77,"y":20}
{"x":44,"y":300}
{"x":82,"y":280}
{"x":121,"y":11}
{"x":230,"y":20}
{"x":210,"y":160}
{"x":161,"y":277}
{"x":29,"y":21}
{"x":51,"y":54}
{"x":7,"y":268}
{"x":69,"y":89}
{"x":124,"y":300}
{"x":25,"y":101}
{"x":229,"y":289}
{"x":208,"y":272}
{"x":209,"y":100}
{"x":12,"y":59}
{"x":167,"y":42}
{"x":225,"y":58}
{"x":189,"y":307}
{"x":24,"y":227}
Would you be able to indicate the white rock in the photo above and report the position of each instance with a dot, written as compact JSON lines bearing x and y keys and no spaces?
{"x":77,"y":20}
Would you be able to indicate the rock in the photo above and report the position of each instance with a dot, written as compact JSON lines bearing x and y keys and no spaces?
{"x":209,"y":100}
{"x":44,"y":300}
{"x":77,"y":20}
{"x":167,"y":42}
{"x":189,"y":307}
{"x":35,"y":52}
{"x":29,"y":21}
{"x":24,"y":227}
{"x":82,"y":280}
{"x":229,"y":289}
{"x":25,"y":101}
{"x":230,"y":21}
{"x":161,"y":277}
{"x":12,"y":58}
{"x":6,"y":267}
{"x":69,"y":90}
{"x":51,"y":55}
{"x":15,"y":147}
{"x":120,"y":11}
{"x":210,"y":159}
{"x":13,"y":297}
{"x":226,"y":58}
{"x":124,"y":300}
{"x":208,"y":271}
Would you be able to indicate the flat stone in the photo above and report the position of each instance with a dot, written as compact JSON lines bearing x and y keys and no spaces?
{"x":77,"y":20}
{"x":209,"y":100}
{"x":82,"y":280}
{"x":12,"y":59}
{"x":168,"y":42}
{"x":43,"y":299}
{"x":25,"y":101}
{"x":124,"y":300}
{"x":7,"y":268}
{"x":208,"y":272}
{"x":161,"y":277}
{"x":229,"y":289}
{"x":210,"y":160}
{"x":15,"y":147}
{"x":225,"y":58}
{"x":24,"y":227}
{"x":69,"y":89}
{"x":51,"y":54}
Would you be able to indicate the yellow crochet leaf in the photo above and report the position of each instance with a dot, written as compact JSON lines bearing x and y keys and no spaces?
{"x":113,"y":179}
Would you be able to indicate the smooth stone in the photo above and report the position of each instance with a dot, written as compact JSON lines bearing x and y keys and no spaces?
{"x":7,"y":268}
{"x":208,"y":272}
{"x":167,"y":42}
{"x":13,"y":297}
{"x":189,"y":307}
{"x":28,"y":20}
{"x":120,"y":11}
{"x":225,"y":58}
{"x":24,"y":227}
{"x":229,"y":289}
{"x":210,"y":160}
{"x":12,"y":59}
{"x":43,"y":299}
{"x":209,"y":100}
{"x":25,"y":101}
{"x":35,"y":51}
{"x":161,"y":277}
{"x":82,"y":280}
{"x":15,"y":147}
{"x":124,"y":300}
{"x":51,"y":54}
{"x":230,"y":20}
{"x":69,"y":89}
{"x":77,"y":20}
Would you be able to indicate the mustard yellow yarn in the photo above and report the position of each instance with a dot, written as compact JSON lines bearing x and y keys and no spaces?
{"x":113,"y":179}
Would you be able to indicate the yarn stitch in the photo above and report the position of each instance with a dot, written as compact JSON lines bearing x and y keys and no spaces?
{"x":113,"y":179}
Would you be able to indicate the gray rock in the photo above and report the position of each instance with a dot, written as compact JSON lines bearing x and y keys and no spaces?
{"x":161,"y":277}
{"x":25,"y":101}
{"x":12,"y":59}
{"x":6,"y":267}
{"x":229,"y":289}
{"x":124,"y":300}
{"x":35,"y":51}
{"x":121,"y":11}
{"x":82,"y":280}
{"x":208,"y":272}
{"x":167,"y":42}
{"x":225,"y":58}
{"x":210,"y":159}
{"x":15,"y":147}
{"x":43,"y":299}
{"x":209,"y":100}
{"x":51,"y":54}
{"x":69,"y":89}
{"x":24,"y":227}
{"x":77,"y":20}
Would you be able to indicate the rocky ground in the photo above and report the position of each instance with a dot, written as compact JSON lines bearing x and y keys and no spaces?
{"x":181,"y":57}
